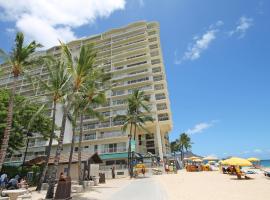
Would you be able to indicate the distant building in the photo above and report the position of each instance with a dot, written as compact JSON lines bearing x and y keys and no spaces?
{"x":133,"y":55}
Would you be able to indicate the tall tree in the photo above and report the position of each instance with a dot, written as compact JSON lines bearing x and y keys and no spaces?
{"x":19,"y":59}
{"x":138,"y":113}
{"x":93,"y":94}
{"x":55,"y":89}
{"x":185,"y":144}
{"x":79,"y":68}
{"x":27,"y":116}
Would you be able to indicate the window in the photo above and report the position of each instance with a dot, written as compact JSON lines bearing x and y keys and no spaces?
{"x":138,"y":80}
{"x":149,"y":136}
{"x":158,"y":78}
{"x":153,"y":46}
{"x":161,"y":106}
{"x":160,"y":96}
{"x":136,"y":56}
{"x":138,"y":63}
{"x":156,"y":69}
{"x":86,"y":147}
{"x":76,"y":149}
{"x":154,"y":53}
{"x":90,"y":136}
{"x":118,"y":92}
{"x":151,"y":33}
{"x":163,"y":117}
{"x":159,"y":87}
{"x":138,"y":72}
{"x":152,"y":39}
{"x":155,"y":61}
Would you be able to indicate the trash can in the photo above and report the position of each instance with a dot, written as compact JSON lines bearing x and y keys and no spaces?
{"x":63,"y":189}
{"x":101,"y":177}
{"x":95,"y":179}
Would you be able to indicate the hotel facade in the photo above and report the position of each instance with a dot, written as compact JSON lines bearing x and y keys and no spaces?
{"x":132,"y":54}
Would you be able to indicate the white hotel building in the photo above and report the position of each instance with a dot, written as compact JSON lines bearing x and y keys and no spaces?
{"x":132,"y":54}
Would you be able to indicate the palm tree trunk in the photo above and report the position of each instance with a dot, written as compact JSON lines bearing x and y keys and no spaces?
{"x":48,"y":151}
{"x":80,"y":175}
{"x":5,"y":140}
{"x":72,"y":147}
{"x":129,"y":150}
{"x":132,"y":153}
{"x":52,"y":178}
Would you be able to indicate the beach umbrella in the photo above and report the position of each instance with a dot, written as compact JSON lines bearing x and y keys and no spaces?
{"x":253,"y":160}
{"x":197,"y":160}
{"x":193,"y":158}
{"x":211,"y":162}
{"x":210,"y":158}
{"x":236,"y":162}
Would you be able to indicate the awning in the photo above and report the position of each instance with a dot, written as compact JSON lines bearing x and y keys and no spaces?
{"x":64,"y":159}
{"x":114,"y":156}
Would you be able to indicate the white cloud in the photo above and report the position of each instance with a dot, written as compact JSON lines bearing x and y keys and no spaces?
{"x":243,"y":25}
{"x":200,"y":127}
{"x":200,"y":44}
{"x":47,"y":21}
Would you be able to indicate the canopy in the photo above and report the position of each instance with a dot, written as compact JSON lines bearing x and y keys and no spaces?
{"x":193,"y":158}
{"x":236,"y":161}
{"x":253,"y":160}
{"x":197,"y":160}
{"x":210,"y":158}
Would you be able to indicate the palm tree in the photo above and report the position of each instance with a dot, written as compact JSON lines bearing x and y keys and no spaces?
{"x":175,"y":146}
{"x":79,"y":68}
{"x":56,"y":88}
{"x":184,"y":143}
{"x":19,"y":59}
{"x":136,"y":117}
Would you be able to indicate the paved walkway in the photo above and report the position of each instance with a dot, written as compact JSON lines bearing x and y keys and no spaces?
{"x":146,"y":188}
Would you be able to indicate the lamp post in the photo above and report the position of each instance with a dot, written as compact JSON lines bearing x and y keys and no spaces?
{"x":28,"y":134}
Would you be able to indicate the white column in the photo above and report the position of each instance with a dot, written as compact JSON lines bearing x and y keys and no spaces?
{"x":159,"y":142}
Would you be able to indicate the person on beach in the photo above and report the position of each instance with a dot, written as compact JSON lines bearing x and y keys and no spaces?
{"x":3,"y":180}
{"x":23,"y":183}
{"x":113,"y":172}
{"x":13,"y":183}
{"x":62,"y":177}
{"x":167,"y":168}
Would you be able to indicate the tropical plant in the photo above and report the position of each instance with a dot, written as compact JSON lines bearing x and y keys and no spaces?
{"x":55,"y":89}
{"x":18,"y":59}
{"x":79,"y":68}
{"x":27,"y":116}
{"x":136,"y":117}
{"x":175,"y":146}
{"x":185,"y":144}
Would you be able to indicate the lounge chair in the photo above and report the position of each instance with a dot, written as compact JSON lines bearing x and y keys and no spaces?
{"x":267,"y":173}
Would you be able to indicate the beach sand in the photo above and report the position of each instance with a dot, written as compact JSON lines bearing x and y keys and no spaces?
{"x":184,"y":186}
{"x":214,"y":186}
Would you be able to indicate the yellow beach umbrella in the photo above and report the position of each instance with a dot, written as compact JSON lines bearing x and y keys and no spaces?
{"x":253,"y":160}
{"x":236,"y":161}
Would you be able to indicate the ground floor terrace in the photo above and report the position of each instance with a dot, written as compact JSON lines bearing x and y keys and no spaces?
{"x":181,"y":186}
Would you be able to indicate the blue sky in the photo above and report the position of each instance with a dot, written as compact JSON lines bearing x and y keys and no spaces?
{"x":216,"y":54}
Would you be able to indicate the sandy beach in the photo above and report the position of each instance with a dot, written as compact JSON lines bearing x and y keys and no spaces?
{"x":214,"y":186}
{"x":181,"y":186}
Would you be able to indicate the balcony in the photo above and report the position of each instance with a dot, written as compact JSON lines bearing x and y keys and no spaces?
{"x":111,"y":135}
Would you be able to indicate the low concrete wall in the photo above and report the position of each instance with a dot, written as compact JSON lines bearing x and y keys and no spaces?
{"x":119,"y":173}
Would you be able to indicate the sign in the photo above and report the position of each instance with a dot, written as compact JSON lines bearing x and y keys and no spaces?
{"x":133,"y":145}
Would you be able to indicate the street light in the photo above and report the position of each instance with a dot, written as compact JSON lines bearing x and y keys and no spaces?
{"x":28,"y":134}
